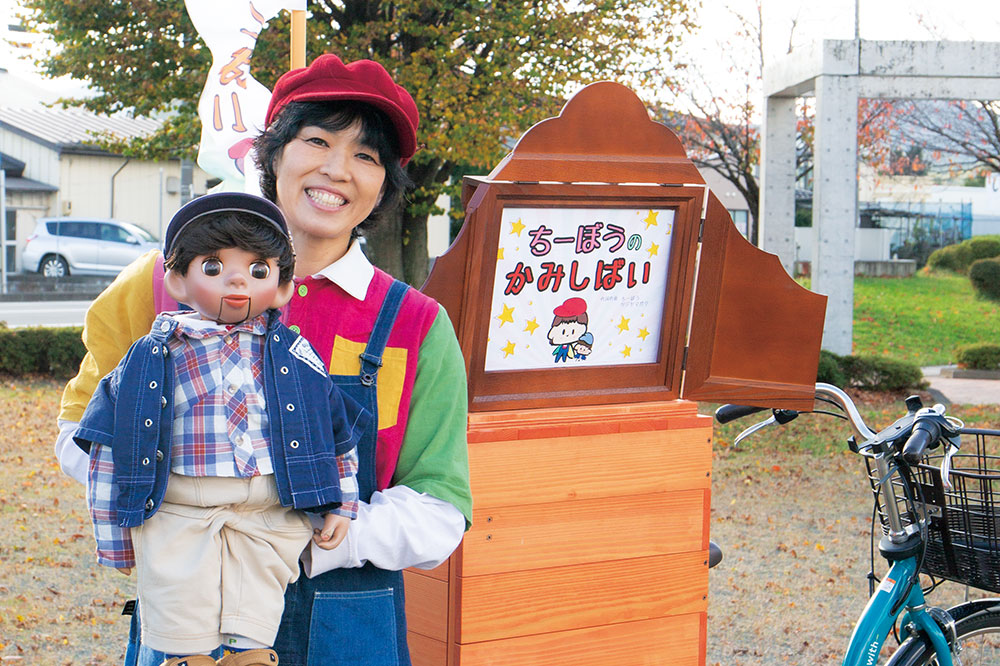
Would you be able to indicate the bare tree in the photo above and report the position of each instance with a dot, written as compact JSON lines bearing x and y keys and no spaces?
{"x":966,"y":134}
{"x":718,"y":126}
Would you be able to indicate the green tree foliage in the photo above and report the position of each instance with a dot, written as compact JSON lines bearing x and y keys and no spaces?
{"x":481,"y":72}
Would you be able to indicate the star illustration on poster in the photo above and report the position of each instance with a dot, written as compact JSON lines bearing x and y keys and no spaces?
{"x":578,"y":287}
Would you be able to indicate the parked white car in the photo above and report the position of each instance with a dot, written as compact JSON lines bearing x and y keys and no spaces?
{"x":84,"y":246}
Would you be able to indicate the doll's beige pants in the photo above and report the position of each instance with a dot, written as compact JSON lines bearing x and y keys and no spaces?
{"x":215,"y":559}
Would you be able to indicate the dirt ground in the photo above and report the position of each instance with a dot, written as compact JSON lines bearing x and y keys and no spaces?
{"x":793,"y":526}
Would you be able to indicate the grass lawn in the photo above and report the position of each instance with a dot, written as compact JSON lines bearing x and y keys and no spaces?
{"x":921,"y":319}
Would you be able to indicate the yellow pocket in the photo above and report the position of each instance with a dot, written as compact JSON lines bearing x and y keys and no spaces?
{"x":346,"y":360}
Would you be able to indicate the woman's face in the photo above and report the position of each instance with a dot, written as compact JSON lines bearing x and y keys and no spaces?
{"x":327,"y":184}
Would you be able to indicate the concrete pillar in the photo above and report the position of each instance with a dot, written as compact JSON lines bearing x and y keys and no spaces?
{"x":835,"y":205}
{"x":777,"y":198}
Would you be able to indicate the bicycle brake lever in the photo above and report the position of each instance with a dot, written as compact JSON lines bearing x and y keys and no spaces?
{"x":951,"y":450}
{"x":752,"y":429}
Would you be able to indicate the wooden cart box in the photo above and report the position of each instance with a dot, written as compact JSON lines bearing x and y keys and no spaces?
{"x":589,"y":542}
{"x":591,"y":478}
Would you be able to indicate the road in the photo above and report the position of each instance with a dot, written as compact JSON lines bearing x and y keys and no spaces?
{"x":43,"y":313}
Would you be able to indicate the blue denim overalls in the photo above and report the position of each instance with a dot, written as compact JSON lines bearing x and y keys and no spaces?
{"x":345,"y":617}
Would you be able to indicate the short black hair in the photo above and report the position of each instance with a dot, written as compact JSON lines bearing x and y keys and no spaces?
{"x":217,"y":231}
{"x":377,"y":132}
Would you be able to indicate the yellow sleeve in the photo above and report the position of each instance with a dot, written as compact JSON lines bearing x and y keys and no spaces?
{"x":122,"y":314}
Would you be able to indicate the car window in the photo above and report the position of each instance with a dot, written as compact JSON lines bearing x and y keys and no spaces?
{"x":113,"y":233}
{"x":52,"y":227}
{"x":79,"y":230}
{"x":143,"y":234}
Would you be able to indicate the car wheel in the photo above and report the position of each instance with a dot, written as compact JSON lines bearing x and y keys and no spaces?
{"x":53,"y":266}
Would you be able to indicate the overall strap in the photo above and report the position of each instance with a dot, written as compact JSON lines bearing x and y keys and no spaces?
{"x":371,"y":357}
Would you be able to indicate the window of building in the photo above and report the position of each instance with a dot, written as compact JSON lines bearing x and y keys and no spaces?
{"x":10,"y":252}
{"x":741,"y":219}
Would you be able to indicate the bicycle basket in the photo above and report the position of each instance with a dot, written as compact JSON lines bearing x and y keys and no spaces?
{"x":964,"y":522}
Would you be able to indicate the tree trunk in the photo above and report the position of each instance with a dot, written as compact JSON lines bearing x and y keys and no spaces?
{"x":416,"y":263}
{"x":753,"y":224}
{"x":384,"y":247}
{"x":398,"y":244}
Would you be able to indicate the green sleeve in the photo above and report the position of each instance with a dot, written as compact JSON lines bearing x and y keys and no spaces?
{"x":434,"y":458}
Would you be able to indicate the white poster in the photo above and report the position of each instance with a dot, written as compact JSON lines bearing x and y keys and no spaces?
{"x":233,"y":104}
{"x":578,"y":287}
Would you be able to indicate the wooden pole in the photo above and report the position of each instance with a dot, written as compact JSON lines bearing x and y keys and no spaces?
{"x":298,"y":43}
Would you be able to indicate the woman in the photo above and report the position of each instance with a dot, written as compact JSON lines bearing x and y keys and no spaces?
{"x":332,"y":158}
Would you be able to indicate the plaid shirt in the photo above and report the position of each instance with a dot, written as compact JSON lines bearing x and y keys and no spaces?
{"x":220,"y":424}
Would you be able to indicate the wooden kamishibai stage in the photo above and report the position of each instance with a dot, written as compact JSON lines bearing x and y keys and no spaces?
{"x":598,"y":288}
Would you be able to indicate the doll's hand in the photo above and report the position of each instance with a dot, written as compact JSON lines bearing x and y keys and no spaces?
{"x":333,"y":532}
{"x":125,"y":570}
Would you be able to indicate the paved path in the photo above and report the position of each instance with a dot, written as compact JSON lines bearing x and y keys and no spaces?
{"x":43,"y":313}
{"x":963,"y":391}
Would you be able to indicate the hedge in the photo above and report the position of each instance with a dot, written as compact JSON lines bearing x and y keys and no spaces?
{"x":871,"y":373}
{"x":985,"y":278}
{"x":959,"y":257}
{"x":58,"y":351}
{"x":50,"y":351}
{"x":979,"y":356}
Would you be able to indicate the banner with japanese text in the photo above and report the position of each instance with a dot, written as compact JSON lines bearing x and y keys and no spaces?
{"x":578,"y":286}
{"x":233,"y":104}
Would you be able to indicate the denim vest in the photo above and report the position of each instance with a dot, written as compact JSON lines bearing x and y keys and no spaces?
{"x":304,"y":440}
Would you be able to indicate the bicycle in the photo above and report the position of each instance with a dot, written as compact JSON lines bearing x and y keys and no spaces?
{"x":934,"y":483}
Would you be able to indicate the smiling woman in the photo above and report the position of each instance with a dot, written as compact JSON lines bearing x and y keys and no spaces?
{"x":338,"y":136}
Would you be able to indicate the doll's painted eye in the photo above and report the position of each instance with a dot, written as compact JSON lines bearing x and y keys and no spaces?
{"x":211,"y":267}
{"x":260,"y":270}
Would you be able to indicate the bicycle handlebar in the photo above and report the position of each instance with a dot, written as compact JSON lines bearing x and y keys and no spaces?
{"x":842,"y":400}
{"x":925,"y":433}
{"x":727,"y":413}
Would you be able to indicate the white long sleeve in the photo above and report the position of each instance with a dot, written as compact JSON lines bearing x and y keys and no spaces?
{"x":72,"y":458}
{"x":398,"y":528}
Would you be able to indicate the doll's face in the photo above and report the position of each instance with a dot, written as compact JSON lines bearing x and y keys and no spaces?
{"x":231,"y":285}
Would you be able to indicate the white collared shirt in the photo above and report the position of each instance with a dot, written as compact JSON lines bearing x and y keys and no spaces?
{"x":353,"y":272}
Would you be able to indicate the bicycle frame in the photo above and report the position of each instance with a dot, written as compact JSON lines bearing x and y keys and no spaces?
{"x":887,"y":603}
{"x":877,"y":619}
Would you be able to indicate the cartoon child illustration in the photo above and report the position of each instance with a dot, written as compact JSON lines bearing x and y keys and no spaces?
{"x":584,"y":346}
{"x":568,"y":325}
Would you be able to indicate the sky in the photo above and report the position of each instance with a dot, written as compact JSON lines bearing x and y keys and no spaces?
{"x":723,"y":61}
{"x":957,"y":20}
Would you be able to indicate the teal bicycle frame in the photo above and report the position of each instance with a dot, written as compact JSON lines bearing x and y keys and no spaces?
{"x":878,"y":619}
{"x":902,"y":547}
{"x":899,"y":592}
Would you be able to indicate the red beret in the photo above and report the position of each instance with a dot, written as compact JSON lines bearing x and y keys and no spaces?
{"x":573,"y":307}
{"x":327,"y":79}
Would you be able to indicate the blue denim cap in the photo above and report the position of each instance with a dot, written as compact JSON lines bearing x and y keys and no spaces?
{"x":223,"y":202}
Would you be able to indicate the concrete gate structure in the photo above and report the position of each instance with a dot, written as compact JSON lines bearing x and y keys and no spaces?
{"x":840,"y":72}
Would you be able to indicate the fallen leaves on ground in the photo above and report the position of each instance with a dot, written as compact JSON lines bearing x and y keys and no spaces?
{"x":56,"y":605}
